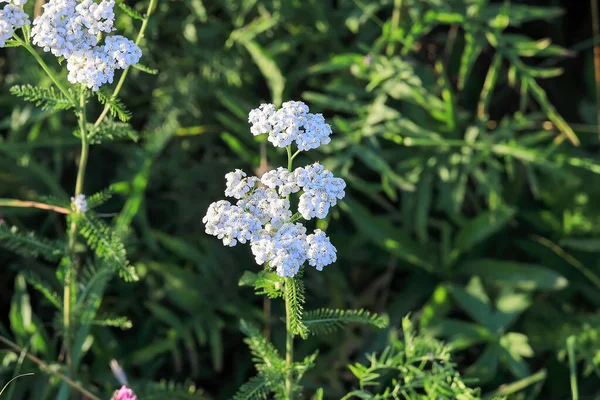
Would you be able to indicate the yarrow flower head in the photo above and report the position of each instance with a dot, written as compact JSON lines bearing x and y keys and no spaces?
{"x":70,"y":29}
{"x":291,"y":123}
{"x":124,"y":394}
{"x":79,"y":203}
{"x":12,"y":17}
{"x":262,"y":214}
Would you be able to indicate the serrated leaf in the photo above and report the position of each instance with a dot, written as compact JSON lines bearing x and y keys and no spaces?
{"x":117,"y":108}
{"x":324,"y":321}
{"x":46,"y":98}
{"x":148,"y":70}
{"x":130,"y":11}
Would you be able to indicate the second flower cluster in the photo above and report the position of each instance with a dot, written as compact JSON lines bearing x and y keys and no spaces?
{"x":262,"y":216}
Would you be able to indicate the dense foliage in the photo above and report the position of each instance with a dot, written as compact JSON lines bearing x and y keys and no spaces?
{"x":465,"y":131}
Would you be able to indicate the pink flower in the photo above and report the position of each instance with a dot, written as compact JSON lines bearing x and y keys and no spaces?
{"x":124,"y":394}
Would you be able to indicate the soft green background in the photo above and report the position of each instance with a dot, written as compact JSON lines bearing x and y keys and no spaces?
{"x":461,"y":207}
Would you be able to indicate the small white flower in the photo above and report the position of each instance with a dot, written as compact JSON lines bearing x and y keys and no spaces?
{"x":285,"y":251}
{"x":66,"y":27}
{"x":320,"y":250}
{"x":321,"y":191}
{"x":230,"y":223}
{"x":259,"y":118}
{"x":92,"y":68}
{"x":79,"y":203}
{"x":12,"y":17}
{"x":267,"y":206}
{"x":122,"y":50}
{"x":291,"y":123}
{"x":238,"y":185}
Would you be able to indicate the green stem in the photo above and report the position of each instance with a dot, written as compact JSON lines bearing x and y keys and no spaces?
{"x":289,"y":338}
{"x":48,"y":71}
{"x":289,"y":346}
{"x":572,"y":367}
{"x":85,"y":146}
{"x":394,"y":26}
{"x":70,"y":276}
{"x":121,"y":81}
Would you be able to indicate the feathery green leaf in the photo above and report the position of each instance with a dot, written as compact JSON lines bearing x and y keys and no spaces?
{"x":294,"y":304}
{"x":324,"y":320}
{"x":117,"y":108}
{"x":46,"y":98}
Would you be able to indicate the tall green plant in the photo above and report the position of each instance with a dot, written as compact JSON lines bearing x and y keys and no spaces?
{"x":71,"y":31}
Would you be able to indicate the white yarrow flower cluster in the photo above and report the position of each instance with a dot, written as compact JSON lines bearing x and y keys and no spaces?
{"x":12,"y":17}
{"x":70,"y":29}
{"x":262,"y":214}
{"x":291,"y":123}
{"x":321,"y":189}
{"x":79,"y":203}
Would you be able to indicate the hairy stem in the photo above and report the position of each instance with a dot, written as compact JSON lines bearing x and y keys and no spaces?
{"x":45,"y":367}
{"x":289,"y":346}
{"x":121,"y":81}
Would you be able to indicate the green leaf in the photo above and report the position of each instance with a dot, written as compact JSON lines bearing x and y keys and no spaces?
{"x":324,"y":321}
{"x":130,"y":11}
{"x":268,"y":67}
{"x":46,"y":98}
{"x":265,"y":354}
{"x":481,"y":228}
{"x":521,"y":275}
{"x":110,"y":130}
{"x":475,"y":307}
{"x":591,"y":245}
{"x":527,"y":47}
{"x":377,"y":163}
{"x":117,"y":108}
{"x":255,"y":389}
{"x":143,"y":68}
{"x":381,"y":232}
{"x":264,"y":283}
{"x":294,"y":304}
{"x":484,"y":369}
{"x":106,"y":244}
{"x":517,"y":14}
{"x":28,"y":245}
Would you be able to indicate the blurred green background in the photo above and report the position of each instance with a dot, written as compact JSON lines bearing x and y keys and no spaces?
{"x":469,"y":144}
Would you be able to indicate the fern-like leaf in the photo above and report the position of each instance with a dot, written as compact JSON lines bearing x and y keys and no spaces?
{"x":106,"y":243}
{"x":97,"y":199}
{"x":255,"y":389}
{"x":123,"y":323}
{"x":325,"y":320}
{"x":37,"y":283}
{"x":265,"y":283}
{"x":143,"y":68}
{"x":26,"y":244}
{"x":117,"y":108}
{"x":130,"y":11}
{"x":110,"y":130}
{"x":294,"y":304}
{"x":46,"y":98}
{"x":265,"y":354}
